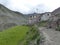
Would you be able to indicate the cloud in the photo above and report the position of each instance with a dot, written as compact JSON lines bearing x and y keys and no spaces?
{"x":27,"y":6}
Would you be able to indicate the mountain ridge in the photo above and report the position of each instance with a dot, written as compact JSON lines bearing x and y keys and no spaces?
{"x":56,"y":11}
{"x":9,"y":18}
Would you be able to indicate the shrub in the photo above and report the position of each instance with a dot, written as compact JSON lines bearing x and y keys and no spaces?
{"x":42,"y":23}
{"x":58,"y":28}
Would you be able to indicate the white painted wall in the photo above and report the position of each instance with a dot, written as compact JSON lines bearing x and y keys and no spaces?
{"x":45,"y":17}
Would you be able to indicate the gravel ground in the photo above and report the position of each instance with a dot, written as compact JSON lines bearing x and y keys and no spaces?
{"x":52,"y":37}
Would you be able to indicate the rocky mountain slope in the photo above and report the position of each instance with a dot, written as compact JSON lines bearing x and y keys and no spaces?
{"x":56,"y":11}
{"x":10,"y":18}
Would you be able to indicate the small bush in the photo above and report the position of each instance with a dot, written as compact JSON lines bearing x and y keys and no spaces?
{"x":42,"y":23}
{"x":58,"y":29}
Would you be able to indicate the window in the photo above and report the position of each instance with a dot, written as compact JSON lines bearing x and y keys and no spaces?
{"x":30,"y":16}
{"x":48,"y":14}
{"x":39,"y":19}
{"x":34,"y":16}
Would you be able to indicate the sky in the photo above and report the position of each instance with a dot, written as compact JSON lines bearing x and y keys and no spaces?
{"x":31,"y":6}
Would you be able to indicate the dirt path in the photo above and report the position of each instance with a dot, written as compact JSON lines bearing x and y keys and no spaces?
{"x":52,"y":37}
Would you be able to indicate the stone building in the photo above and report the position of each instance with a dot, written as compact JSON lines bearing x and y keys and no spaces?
{"x":45,"y":16}
{"x":54,"y":20}
{"x":33,"y":18}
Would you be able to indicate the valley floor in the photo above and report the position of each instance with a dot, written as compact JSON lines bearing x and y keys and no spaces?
{"x":52,"y":37}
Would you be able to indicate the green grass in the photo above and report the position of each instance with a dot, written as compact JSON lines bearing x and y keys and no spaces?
{"x":33,"y":35}
{"x":42,"y":23}
{"x":13,"y":35}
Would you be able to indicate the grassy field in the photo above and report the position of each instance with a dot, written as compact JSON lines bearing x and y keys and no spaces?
{"x":14,"y":35}
{"x":19,"y":35}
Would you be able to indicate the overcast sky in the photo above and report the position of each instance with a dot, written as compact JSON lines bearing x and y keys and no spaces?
{"x":29,"y":6}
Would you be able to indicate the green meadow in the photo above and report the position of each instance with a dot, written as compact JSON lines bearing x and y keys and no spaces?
{"x":17,"y":35}
{"x":13,"y":36}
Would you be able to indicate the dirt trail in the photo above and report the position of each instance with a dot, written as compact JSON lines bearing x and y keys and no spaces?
{"x":52,"y":37}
